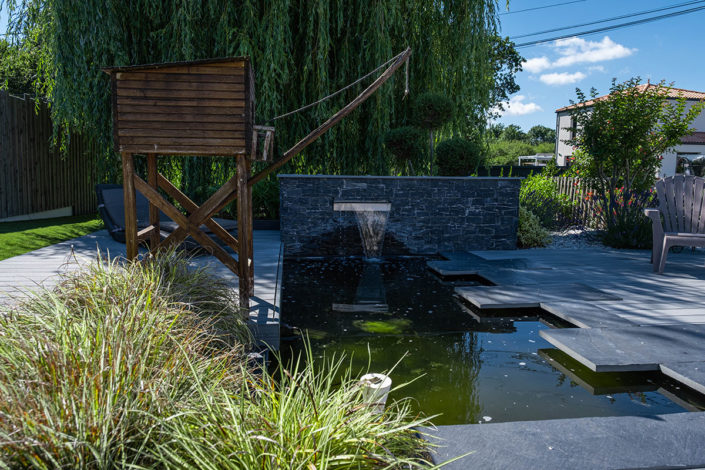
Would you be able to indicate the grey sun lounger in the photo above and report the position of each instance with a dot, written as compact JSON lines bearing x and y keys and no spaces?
{"x":112,"y":210}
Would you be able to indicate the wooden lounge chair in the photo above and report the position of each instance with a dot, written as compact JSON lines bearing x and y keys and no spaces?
{"x":680,"y":217}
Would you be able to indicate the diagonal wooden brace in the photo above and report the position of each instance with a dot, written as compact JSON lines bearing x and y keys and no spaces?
{"x":205,"y":212}
{"x":191,"y":207}
{"x":184,"y":223}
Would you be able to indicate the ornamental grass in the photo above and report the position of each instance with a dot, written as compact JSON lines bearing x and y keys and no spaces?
{"x":143,"y":365}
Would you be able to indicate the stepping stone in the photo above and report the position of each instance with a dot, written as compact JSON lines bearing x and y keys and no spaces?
{"x":661,"y":441}
{"x":630,"y":349}
{"x":585,"y":315}
{"x":691,"y":374}
{"x":508,"y":297}
{"x":597,"y":383}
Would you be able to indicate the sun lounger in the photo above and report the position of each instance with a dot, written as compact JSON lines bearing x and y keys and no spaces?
{"x":112,"y":210}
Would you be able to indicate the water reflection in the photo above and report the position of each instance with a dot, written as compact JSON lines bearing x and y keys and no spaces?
{"x":466,"y":369}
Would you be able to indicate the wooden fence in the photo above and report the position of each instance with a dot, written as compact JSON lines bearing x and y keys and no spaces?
{"x":581,"y":194}
{"x":35,"y":177}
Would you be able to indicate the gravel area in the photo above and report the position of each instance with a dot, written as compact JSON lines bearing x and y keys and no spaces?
{"x":574,"y":238}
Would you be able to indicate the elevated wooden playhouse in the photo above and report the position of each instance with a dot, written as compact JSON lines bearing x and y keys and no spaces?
{"x":200,"y":108}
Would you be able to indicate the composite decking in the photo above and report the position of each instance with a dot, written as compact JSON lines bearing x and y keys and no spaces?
{"x":42,"y":268}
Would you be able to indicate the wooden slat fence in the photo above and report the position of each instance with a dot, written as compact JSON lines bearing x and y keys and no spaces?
{"x":34,"y":177}
{"x":578,"y":191}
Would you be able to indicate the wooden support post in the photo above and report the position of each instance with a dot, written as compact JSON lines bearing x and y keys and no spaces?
{"x":154,"y":236}
{"x":128,"y":182}
{"x":244,"y":231}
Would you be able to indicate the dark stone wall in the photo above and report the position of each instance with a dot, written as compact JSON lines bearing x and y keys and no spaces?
{"x":428,"y":214}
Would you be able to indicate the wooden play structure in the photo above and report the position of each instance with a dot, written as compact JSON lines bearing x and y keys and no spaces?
{"x":201,"y":108}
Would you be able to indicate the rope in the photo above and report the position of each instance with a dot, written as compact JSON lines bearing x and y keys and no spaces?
{"x":336,"y":93}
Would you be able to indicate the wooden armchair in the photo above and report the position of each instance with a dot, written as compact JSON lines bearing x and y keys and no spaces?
{"x":680,"y":217}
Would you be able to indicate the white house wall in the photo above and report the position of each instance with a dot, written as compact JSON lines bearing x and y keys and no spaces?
{"x":563,"y":150}
{"x":668,"y":166}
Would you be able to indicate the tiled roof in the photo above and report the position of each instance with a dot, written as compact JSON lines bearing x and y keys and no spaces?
{"x":694,"y":138}
{"x":672,"y":93}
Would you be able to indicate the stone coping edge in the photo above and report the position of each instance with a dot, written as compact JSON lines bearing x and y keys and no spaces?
{"x":371,"y":177}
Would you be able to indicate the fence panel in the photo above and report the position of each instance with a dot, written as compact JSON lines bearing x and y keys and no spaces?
{"x":579,"y":192}
{"x":34,"y":176}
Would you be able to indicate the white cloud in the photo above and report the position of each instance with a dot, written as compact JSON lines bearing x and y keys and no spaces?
{"x":573,"y":51}
{"x":564,"y":78}
{"x":516,"y":106}
{"x":577,"y":51}
{"x":536,"y":64}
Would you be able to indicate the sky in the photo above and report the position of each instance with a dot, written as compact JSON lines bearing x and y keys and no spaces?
{"x":669,"y":49}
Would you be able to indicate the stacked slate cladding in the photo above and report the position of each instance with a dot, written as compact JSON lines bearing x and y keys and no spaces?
{"x":428,"y":214}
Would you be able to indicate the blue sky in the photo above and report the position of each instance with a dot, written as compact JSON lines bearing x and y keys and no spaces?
{"x":669,"y":49}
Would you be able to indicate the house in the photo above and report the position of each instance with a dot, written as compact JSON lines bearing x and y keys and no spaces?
{"x":688,"y":157}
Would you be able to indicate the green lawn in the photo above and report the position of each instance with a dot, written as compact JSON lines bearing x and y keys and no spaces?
{"x":21,"y":237}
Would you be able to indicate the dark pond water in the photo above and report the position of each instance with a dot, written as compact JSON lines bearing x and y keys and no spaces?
{"x":462,"y":366}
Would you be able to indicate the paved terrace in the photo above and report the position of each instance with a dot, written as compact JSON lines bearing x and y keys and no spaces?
{"x":42,"y":267}
{"x":627,"y":318}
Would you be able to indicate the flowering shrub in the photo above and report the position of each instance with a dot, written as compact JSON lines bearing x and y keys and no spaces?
{"x":621,"y":140}
{"x":623,"y":217}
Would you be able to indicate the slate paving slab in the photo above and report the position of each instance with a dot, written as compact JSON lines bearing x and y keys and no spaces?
{"x":630,"y":349}
{"x":691,"y":374}
{"x":585,"y":315}
{"x":661,"y":441}
{"x":507,"y":297}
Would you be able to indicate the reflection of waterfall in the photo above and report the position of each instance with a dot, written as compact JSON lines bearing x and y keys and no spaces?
{"x":372,"y":222}
{"x":370,"y":295}
{"x":372,"y":225}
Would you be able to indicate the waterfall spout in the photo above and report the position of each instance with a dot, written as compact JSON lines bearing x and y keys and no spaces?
{"x":371,"y":221}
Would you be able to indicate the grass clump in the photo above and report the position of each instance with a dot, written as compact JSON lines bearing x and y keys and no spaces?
{"x":143,"y":365}
{"x":22,"y":237}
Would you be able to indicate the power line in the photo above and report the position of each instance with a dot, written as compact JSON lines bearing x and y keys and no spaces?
{"x":612,"y":27}
{"x":542,"y":7}
{"x":607,"y":20}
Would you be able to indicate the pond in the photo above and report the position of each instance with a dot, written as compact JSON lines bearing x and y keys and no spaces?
{"x":459,"y":365}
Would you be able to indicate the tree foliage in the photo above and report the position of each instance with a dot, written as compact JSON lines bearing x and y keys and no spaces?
{"x":301,"y":50}
{"x":620,"y":142}
{"x":459,"y":156}
{"x":406,"y":144}
{"x":541,"y":135}
{"x":506,"y":63}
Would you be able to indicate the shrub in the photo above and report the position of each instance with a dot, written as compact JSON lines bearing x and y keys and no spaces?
{"x":625,"y":224}
{"x":406,"y":144}
{"x":530,"y":233}
{"x":432,"y":110}
{"x":539,"y":194}
{"x":622,"y":139}
{"x":458,"y":157}
{"x":142,"y":365}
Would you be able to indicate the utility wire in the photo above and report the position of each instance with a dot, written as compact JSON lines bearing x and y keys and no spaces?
{"x":542,"y":7}
{"x":614,"y":18}
{"x":612,"y":27}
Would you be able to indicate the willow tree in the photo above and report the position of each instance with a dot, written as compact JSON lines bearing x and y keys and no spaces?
{"x":302,"y":50}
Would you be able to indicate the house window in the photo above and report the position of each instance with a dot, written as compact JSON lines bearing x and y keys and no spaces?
{"x":573,"y":127}
{"x":690,"y":164}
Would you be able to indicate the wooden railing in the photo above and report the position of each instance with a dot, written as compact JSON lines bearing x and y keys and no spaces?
{"x":34,"y":176}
